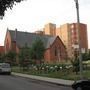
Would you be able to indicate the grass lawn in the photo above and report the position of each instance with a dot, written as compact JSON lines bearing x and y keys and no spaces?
{"x":68,"y":75}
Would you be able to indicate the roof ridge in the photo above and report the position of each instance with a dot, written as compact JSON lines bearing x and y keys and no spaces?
{"x":32,"y":33}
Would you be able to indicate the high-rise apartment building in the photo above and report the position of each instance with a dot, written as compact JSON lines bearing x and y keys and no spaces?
{"x":50,"y":29}
{"x":62,"y":32}
{"x":71,"y":36}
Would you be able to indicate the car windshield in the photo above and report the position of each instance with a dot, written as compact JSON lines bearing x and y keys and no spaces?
{"x":5,"y":65}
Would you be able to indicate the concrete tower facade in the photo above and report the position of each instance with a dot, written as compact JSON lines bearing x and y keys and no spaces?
{"x":71,"y":36}
{"x":50,"y":29}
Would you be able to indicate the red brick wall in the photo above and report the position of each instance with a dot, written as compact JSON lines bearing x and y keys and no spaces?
{"x":47,"y":55}
{"x":7,"y":42}
{"x":50,"y":56}
{"x":10,"y":45}
{"x":15,"y":47}
{"x":1,"y":49}
{"x":83,"y":36}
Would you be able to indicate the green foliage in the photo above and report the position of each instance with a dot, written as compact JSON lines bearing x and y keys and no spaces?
{"x":24,"y":56}
{"x":1,"y":60}
{"x":4,"y":4}
{"x":2,"y":57}
{"x":89,"y":55}
{"x":75,"y":64}
{"x":86,"y":56}
{"x":10,"y":57}
{"x":37,"y":50}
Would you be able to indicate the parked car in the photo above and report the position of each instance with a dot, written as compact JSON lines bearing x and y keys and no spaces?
{"x":5,"y":68}
{"x":81,"y":85}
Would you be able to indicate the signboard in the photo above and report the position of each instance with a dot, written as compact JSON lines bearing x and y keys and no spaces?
{"x":82,"y":50}
{"x":75,"y":46}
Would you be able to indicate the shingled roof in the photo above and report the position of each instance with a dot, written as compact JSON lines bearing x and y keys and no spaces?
{"x":25,"y":37}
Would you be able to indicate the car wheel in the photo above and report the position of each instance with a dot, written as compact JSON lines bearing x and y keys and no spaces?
{"x":9,"y":73}
{"x":79,"y":88}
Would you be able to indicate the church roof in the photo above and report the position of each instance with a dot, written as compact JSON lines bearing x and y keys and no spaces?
{"x":23,"y":38}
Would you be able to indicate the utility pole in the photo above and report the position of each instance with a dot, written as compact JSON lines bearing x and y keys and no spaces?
{"x":79,"y":43}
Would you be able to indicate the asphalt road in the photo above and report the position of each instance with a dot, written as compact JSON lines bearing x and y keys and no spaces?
{"x":18,"y":83}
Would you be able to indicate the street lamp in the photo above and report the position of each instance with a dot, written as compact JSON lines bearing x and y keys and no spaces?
{"x":80,"y":55}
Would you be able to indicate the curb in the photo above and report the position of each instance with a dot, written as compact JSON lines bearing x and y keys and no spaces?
{"x":61,"y":82}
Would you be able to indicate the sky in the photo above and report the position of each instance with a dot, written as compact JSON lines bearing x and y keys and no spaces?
{"x":32,"y":15}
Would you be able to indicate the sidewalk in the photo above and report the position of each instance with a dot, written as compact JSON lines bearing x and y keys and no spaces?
{"x":46,"y":79}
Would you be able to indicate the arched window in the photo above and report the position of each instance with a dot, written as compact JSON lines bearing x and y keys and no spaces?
{"x":55,"y":51}
{"x":7,"y":45}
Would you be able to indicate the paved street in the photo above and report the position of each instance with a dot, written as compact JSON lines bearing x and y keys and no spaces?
{"x":18,"y":83}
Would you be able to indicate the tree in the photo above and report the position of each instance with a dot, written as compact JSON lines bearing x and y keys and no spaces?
{"x":24,"y":56}
{"x":85,"y":56}
{"x":4,"y":4}
{"x":2,"y":57}
{"x":1,"y":60}
{"x":37,"y":50}
{"x":10,"y":57}
{"x":75,"y":64}
{"x":89,"y":55}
